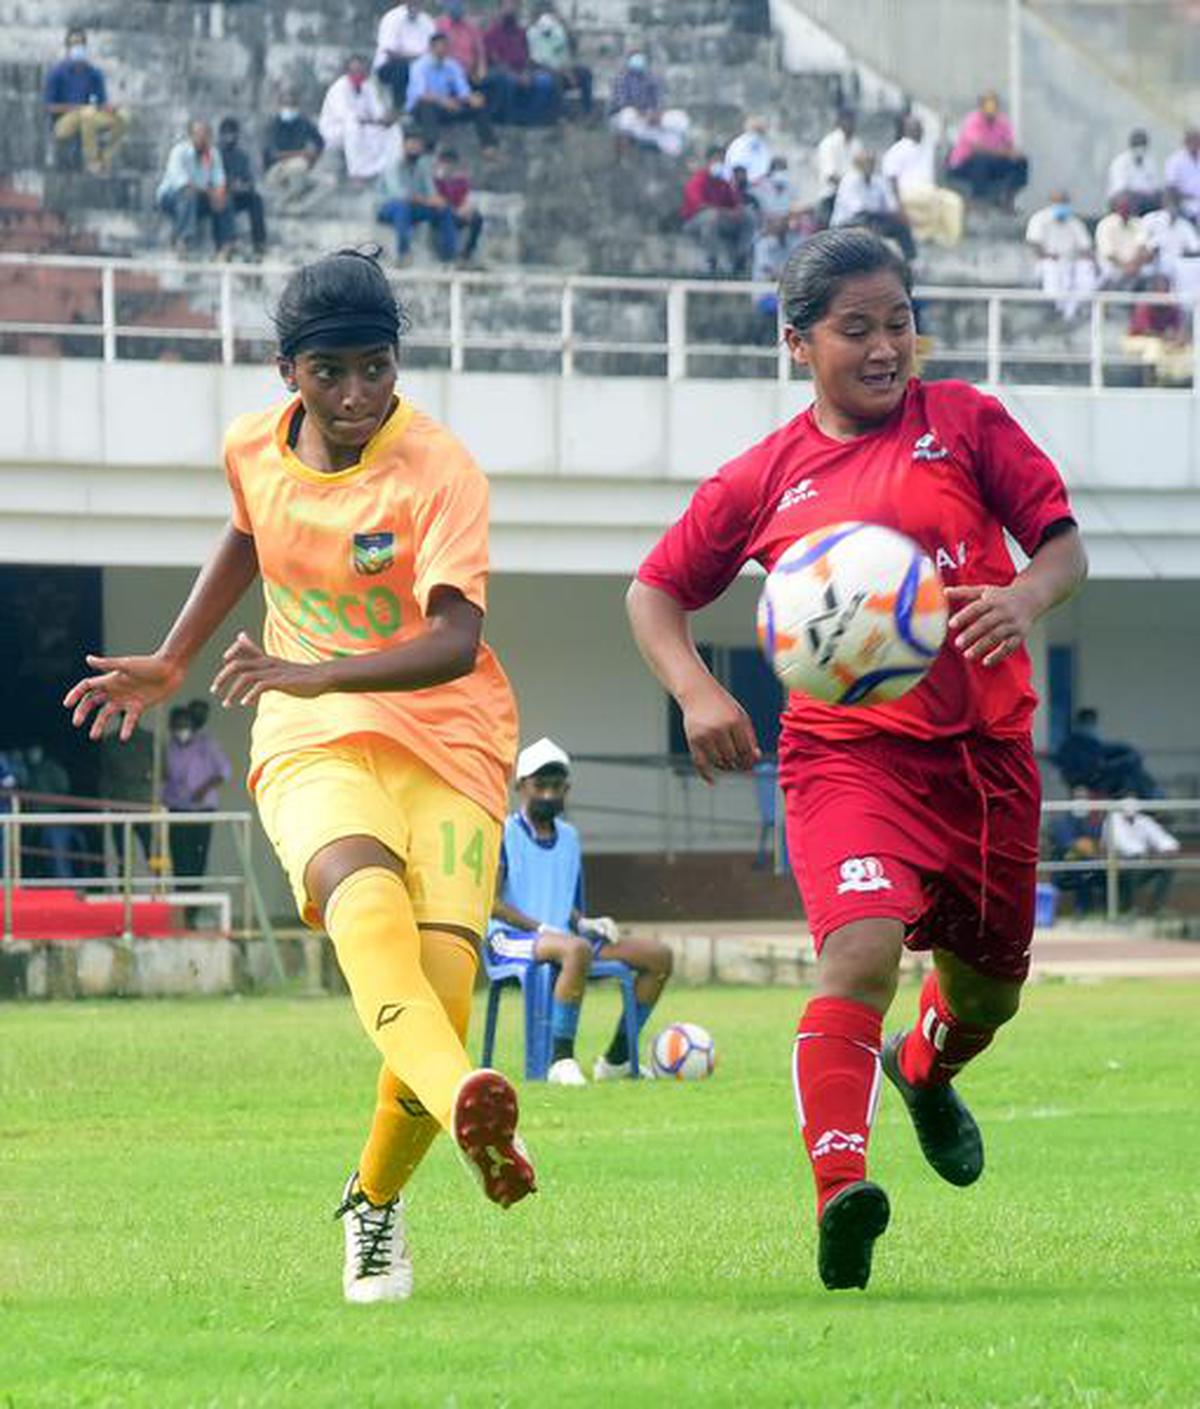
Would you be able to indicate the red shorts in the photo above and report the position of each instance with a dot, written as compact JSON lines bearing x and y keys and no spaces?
{"x":941,"y":835}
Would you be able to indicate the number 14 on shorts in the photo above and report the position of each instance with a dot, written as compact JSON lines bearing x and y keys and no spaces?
{"x":470,"y":857}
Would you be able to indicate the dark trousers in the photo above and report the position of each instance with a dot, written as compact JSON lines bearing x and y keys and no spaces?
{"x":469,"y":228}
{"x":529,"y":100}
{"x":991,"y":176}
{"x":189,"y":209}
{"x":252,"y":203}
{"x":891,"y":227}
{"x":141,"y":831}
{"x":189,"y":850}
{"x":433,"y":120}
{"x":394,"y":74}
{"x":402,"y":216}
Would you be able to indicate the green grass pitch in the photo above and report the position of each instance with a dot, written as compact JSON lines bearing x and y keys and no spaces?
{"x":168,"y":1173}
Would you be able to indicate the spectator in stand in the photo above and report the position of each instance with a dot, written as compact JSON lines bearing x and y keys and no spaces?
{"x":636,"y":112}
{"x":468,"y":50}
{"x":404,"y":35}
{"x":836,"y":152}
{"x":1158,"y":338}
{"x":985,"y":156}
{"x":453,"y":184}
{"x":439,"y":96}
{"x":773,"y":192}
{"x":1121,"y":253}
{"x":76,"y":101}
{"x":58,"y":841}
{"x":1182,"y":172}
{"x":293,"y":149}
{"x":1104,"y":767}
{"x":353,"y":121}
{"x":713,"y":214}
{"x":1063,"y":247}
{"x":532,"y":93}
{"x":239,"y":180}
{"x":750,"y":150}
{"x":1172,"y":240}
{"x":195,"y":768}
{"x":1136,"y":836}
{"x":1078,"y":835}
{"x":1133,"y":174}
{"x":933,"y":212}
{"x":865,"y":198}
{"x":552,"y":50}
{"x":192,"y":190}
{"x":8,"y":781}
{"x":410,"y":197}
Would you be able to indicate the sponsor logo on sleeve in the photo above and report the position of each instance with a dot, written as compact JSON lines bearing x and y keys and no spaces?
{"x":927,"y":447}
{"x":862,"y":874}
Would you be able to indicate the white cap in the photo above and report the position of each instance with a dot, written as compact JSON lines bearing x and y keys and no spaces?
{"x":541,"y":754}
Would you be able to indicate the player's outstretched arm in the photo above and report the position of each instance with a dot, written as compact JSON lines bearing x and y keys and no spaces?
{"x":718,"y":729}
{"x":992,"y":622}
{"x":445,"y":650}
{"x":128,"y":685}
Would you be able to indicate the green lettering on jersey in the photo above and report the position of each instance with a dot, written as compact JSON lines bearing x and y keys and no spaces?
{"x":377,"y":616}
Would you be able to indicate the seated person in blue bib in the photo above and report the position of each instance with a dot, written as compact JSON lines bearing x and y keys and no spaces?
{"x":538,"y":915}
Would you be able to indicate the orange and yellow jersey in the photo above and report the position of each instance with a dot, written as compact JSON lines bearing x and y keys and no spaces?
{"x":348,"y":563}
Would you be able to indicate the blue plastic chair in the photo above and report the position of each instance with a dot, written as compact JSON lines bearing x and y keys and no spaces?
{"x":536,"y":981}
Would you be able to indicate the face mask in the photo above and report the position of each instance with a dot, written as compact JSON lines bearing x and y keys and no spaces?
{"x":1129,"y":807}
{"x":1139,"y":155}
{"x":779,"y":180}
{"x":182,"y":736}
{"x":357,"y":80}
{"x":715,"y":169}
{"x":637,"y":63}
{"x":1080,"y":809}
{"x":77,"y":53}
{"x":289,"y":114}
{"x":545,"y":809}
{"x":1062,"y":210}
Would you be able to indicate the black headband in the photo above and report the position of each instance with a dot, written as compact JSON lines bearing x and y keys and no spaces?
{"x":342,"y":330}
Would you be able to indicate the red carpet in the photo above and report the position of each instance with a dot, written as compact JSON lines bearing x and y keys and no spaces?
{"x":61,"y":914}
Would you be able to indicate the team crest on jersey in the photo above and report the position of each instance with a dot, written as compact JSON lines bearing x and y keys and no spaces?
{"x":927,"y":448}
{"x":373,"y":552}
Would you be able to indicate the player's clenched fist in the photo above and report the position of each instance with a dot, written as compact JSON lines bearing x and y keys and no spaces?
{"x":248,"y":673}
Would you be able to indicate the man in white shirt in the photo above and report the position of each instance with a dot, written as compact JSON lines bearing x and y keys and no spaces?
{"x":1132,"y":173}
{"x":1063,"y":248}
{"x":1136,"y":836}
{"x":354,"y":121}
{"x":404,"y":35}
{"x":865,"y":198}
{"x":1121,"y":252}
{"x":934,"y":212}
{"x":1172,"y":240}
{"x":1183,"y":172}
{"x":750,"y":150}
{"x":835,"y":152}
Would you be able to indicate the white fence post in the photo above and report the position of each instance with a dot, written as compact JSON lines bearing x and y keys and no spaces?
{"x":456,"y":324}
{"x":1096,"y":348}
{"x":993,"y":341}
{"x":566,"y":331}
{"x":108,"y":312}
{"x":227,"y":316}
{"x":676,"y":332}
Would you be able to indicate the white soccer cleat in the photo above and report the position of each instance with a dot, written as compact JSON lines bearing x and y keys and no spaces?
{"x":604,"y":1070}
{"x":378,"y":1266}
{"x":566,"y":1072}
{"x":485,"y":1130}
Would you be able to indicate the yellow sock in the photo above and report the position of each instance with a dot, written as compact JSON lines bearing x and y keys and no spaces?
{"x":370,"y":919}
{"x":402,"y":1129}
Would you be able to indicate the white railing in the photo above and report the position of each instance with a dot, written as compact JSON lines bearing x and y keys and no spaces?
{"x":564,"y":324}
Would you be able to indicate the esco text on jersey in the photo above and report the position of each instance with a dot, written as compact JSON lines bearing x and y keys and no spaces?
{"x":862,"y":874}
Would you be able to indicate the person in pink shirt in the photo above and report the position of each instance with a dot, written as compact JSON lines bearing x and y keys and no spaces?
{"x":985,"y":158}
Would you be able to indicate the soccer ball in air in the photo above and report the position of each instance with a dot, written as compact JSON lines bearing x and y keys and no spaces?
{"x":852,"y":614}
{"x":683,"y":1052}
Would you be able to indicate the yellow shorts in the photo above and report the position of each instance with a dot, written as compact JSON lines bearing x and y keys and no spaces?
{"x":369,"y":786}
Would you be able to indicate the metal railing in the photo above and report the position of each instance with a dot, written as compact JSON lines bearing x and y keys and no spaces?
{"x":573,"y":325}
{"x":127,"y":886}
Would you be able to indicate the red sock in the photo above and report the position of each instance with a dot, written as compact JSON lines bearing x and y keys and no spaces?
{"x":939,"y":1046}
{"x":836,"y":1074}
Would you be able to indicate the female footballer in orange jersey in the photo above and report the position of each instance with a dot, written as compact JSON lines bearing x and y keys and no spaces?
{"x":385,"y":728}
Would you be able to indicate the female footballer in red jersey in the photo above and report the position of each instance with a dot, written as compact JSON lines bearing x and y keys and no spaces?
{"x":938,"y":791}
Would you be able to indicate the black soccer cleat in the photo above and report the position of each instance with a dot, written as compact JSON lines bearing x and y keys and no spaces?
{"x":850,"y":1223}
{"x":950,"y":1138}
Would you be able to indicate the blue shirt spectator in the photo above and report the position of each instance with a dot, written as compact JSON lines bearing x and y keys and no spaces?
{"x":434,"y":77}
{"x":189,"y":165}
{"x":73,"y":82}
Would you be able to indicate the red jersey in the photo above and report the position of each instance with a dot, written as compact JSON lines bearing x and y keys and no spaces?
{"x":950,"y":468}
